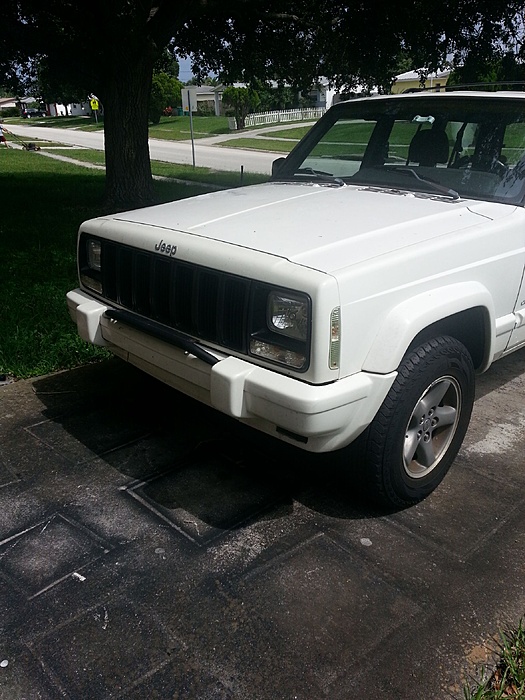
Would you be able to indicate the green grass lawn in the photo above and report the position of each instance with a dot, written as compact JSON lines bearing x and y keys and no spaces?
{"x":178,"y":128}
{"x":260,"y":144}
{"x":169,"y":128}
{"x":84,"y":123}
{"x":43,"y":203}
{"x":295,"y":133}
{"x":205,"y":175}
{"x":86,"y":155}
{"x":171,"y":170}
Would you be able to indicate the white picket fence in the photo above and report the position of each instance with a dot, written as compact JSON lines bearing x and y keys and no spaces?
{"x":279,"y":116}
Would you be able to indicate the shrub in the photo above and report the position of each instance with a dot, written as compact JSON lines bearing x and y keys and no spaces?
{"x":10,"y":112}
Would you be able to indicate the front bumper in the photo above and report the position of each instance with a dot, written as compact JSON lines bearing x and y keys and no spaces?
{"x":318,"y":418}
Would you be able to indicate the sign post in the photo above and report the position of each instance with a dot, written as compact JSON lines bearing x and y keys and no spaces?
{"x":189,"y":104}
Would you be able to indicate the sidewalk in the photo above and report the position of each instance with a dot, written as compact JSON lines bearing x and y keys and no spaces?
{"x":151,"y":548}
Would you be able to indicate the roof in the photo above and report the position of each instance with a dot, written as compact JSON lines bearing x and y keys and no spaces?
{"x":416,"y":75}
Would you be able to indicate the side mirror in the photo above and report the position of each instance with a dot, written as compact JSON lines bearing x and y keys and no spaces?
{"x":277,"y":166}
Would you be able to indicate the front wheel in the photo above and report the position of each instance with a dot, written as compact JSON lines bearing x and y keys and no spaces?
{"x":414,"y":438}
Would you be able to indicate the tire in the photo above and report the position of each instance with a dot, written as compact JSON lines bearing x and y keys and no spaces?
{"x":409,"y":446}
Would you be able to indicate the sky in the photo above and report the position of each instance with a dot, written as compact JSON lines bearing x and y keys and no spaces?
{"x":184,"y":69}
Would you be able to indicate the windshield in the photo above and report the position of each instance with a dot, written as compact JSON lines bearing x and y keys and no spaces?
{"x":447,"y":145}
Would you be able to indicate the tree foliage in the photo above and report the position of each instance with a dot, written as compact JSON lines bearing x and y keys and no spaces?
{"x":496,"y":70}
{"x":110,"y":47}
{"x":273,"y":96}
{"x":242,"y":100}
{"x":49,"y":88}
{"x":165,"y":92}
{"x":203,"y":80}
{"x":167,"y":63}
{"x":352,"y":43}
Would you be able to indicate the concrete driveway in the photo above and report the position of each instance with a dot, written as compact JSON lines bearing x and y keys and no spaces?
{"x":152,"y":548}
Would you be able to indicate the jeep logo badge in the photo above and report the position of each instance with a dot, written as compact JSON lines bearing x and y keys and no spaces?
{"x":165,"y":248}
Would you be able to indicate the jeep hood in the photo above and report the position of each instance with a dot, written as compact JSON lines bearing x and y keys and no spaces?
{"x":314,"y":225}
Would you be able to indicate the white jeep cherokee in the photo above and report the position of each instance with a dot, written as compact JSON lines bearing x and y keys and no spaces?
{"x":353,"y":296}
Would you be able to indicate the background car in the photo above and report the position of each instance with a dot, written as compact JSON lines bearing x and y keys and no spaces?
{"x":31,"y":112}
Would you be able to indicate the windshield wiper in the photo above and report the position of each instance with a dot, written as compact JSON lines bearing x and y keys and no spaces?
{"x":319,"y":176}
{"x":434,"y":186}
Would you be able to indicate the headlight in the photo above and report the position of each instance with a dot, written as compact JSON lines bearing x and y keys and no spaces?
{"x":281,"y":326}
{"x":94,"y":249}
{"x":288,"y":315}
{"x":90,"y":263}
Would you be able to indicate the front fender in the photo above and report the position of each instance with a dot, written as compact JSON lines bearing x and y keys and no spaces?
{"x":405,"y":321}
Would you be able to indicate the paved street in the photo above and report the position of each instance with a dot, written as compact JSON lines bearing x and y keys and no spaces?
{"x":152,"y":548}
{"x":206,"y":154}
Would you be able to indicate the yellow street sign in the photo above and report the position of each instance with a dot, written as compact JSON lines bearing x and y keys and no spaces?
{"x":94,"y":105}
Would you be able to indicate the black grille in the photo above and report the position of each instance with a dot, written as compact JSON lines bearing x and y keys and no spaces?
{"x":204,"y":303}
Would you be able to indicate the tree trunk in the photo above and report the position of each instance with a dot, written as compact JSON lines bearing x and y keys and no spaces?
{"x":125,"y":101}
